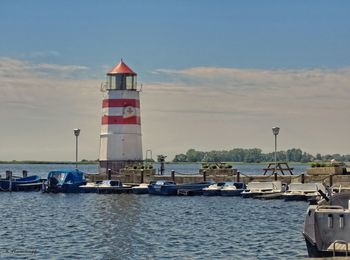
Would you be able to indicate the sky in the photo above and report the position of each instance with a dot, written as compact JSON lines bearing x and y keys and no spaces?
{"x":214,"y":74}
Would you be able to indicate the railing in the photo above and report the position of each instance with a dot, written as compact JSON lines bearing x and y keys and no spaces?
{"x":341,"y":242}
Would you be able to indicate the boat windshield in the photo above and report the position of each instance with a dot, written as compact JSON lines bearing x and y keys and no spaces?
{"x":60,"y":176}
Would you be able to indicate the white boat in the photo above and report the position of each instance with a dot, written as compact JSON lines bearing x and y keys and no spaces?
{"x":106,"y":186}
{"x":214,"y":189}
{"x":264,"y":190}
{"x":113,"y":186}
{"x":232,"y":189}
{"x":304,"y":191}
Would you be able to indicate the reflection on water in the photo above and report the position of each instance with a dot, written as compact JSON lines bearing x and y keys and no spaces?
{"x":128,"y":226}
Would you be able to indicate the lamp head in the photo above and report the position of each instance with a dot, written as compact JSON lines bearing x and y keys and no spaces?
{"x":76,"y":131}
{"x":275,"y":130}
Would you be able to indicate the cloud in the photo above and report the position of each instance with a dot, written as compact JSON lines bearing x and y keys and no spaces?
{"x":42,"y":108}
{"x":233,"y":107}
{"x":204,"y":108}
{"x":14,"y":69}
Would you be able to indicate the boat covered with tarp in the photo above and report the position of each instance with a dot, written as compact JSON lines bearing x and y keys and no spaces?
{"x":64,"y":180}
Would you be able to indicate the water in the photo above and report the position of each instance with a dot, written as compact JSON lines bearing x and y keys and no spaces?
{"x":127,"y":226}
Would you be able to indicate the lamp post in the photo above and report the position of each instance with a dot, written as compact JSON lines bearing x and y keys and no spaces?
{"x":275,"y":131}
{"x":76,"y":133}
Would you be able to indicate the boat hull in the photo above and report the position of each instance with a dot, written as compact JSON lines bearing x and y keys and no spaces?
{"x":162,"y":190}
{"x":31,"y":183}
{"x":140,"y":190}
{"x":231,"y":192}
{"x":211,"y":192}
{"x":65,"y":188}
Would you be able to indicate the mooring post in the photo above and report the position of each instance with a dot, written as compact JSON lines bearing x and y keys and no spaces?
{"x":10,"y":181}
{"x":275,"y":174}
{"x":109,"y":174}
{"x":238,"y":177}
{"x":141,"y":181}
{"x":302,"y":178}
{"x":24,"y":173}
{"x":173,"y":175}
{"x":204,"y":175}
{"x":330,"y":180}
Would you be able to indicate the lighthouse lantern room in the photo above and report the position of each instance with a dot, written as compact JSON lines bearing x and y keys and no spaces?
{"x":120,"y":139}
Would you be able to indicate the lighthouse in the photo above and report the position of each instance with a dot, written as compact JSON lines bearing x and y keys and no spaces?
{"x":120,"y":138}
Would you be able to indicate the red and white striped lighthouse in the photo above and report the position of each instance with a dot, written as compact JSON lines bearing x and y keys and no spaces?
{"x":120,"y":139}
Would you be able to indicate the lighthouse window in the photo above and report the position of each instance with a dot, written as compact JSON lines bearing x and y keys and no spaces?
{"x":130,"y":82}
{"x":111,"y":82}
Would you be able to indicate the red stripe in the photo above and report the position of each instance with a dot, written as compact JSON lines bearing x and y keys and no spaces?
{"x":123,"y":102}
{"x":120,"y":120}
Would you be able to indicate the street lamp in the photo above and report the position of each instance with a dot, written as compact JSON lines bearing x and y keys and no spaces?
{"x":275,"y":131}
{"x":76,"y":133}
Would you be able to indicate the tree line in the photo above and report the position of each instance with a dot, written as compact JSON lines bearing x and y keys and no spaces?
{"x":255,"y":155}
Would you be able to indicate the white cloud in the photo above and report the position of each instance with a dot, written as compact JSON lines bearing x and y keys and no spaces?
{"x":231,"y":107}
{"x":204,"y":108}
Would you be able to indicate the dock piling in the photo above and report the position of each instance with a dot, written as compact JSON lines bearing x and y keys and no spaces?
{"x":142,"y":177}
{"x":173,"y":175}
{"x":109,"y":174}
{"x":275,"y":174}
{"x":238,"y":177}
{"x":330,"y":180}
{"x":204,"y":175}
{"x":302,"y":178}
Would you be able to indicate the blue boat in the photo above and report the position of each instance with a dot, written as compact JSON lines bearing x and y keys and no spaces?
{"x":30,"y":183}
{"x":162,"y":188}
{"x":65,"y":181}
{"x":232,"y":189}
{"x":191,"y":189}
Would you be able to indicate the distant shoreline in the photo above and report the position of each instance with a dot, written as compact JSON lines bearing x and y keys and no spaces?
{"x":47,"y":162}
{"x":96,"y":162}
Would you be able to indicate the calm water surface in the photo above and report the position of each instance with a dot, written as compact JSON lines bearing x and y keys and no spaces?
{"x":127,"y":226}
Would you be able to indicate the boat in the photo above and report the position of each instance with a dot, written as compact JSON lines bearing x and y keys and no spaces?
{"x":64,"y":180}
{"x":232,"y":189}
{"x":303,"y":191}
{"x":214,"y":189}
{"x":30,"y":183}
{"x":191,"y":189}
{"x":264,"y":190}
{"x":162,"y":187}
{"x":113,"y":186}
{"x":89,"y":187}
{"x":327,"y":226}
{"x":141,"y":189}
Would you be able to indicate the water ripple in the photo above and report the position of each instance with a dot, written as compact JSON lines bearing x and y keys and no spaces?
{"x":126,"y":226}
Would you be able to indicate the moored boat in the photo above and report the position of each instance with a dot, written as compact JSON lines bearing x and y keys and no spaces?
{"x":113,"y":186}
{"x":264,"y":190}
{"x":141,"y":189}
{"x":232,"y":189}
{"x":30,"y":183}
{"x":214,"y":189}
{"x":162,"y":187}
{"x":303,"y":191}
{"x":326,"y":227}
{"x":64,"y":181}
{"x":89,"y":187}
